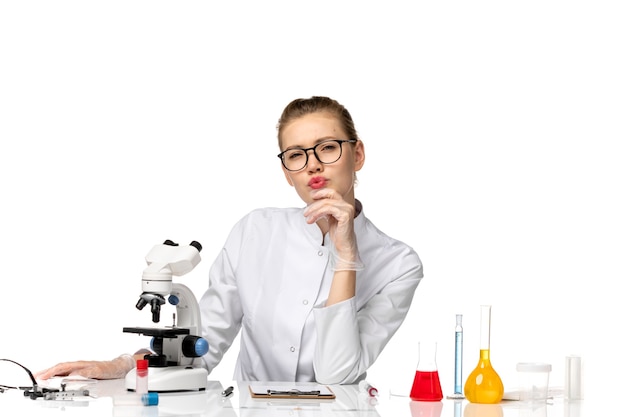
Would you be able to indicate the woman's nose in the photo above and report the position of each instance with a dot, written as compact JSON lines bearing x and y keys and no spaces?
{"x":313,"y":164}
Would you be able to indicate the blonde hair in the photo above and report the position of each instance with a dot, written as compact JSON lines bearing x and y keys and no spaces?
{"x":303,"y":106}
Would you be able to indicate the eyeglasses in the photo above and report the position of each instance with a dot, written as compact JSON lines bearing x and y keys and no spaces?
{"x":326,"y":152}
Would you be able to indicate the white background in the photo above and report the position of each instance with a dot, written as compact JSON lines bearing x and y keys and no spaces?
{"x":494,"y":137}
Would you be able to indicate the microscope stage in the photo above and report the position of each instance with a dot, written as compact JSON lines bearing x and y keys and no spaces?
{"x":166,"y":332}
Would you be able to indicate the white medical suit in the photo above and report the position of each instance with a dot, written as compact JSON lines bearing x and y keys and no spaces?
{"x":271,"y":280}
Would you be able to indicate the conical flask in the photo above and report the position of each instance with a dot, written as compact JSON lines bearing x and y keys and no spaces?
{"x":484,"y":385}
{"x":426,"y":385}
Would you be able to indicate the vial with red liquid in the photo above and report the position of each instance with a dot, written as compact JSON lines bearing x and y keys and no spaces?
{"x":426,"y":385}
{"x":141,"y":384}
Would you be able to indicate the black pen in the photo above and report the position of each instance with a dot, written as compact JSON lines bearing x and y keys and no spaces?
{"x":227,"y":391}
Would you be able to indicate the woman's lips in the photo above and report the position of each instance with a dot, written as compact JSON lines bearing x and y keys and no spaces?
{"x":317,"y":182}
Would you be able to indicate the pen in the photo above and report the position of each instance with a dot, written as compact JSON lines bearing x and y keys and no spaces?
{"x":227,"y":391}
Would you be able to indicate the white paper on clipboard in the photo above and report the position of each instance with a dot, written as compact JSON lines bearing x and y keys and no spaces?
{"x":309,"y":391}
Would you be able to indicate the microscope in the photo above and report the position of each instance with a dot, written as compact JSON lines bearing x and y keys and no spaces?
{"x":172,"y":366}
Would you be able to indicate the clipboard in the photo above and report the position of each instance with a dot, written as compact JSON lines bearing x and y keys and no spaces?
{"x":311,"y":392}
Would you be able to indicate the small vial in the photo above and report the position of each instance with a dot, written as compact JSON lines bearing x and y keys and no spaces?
{"x":141,"y":384}
{"x":147,"y":399}
{"x":365,"y":387}
{"x":573,"y":378}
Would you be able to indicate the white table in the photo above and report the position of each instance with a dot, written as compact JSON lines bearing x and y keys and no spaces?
{"x":209,"y":403}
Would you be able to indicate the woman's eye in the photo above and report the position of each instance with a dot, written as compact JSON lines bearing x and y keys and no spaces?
{"x":328,"y":147}
{"x":295,"y":154}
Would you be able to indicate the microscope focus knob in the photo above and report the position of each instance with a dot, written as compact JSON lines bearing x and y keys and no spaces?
{"x":194,"y":346}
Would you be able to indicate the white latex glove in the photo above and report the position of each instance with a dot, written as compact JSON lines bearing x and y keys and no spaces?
{"x":329,"y":205}
{"x":114,"y":369}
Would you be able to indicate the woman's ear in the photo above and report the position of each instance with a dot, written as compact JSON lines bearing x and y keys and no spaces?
{"x":359,"y":155}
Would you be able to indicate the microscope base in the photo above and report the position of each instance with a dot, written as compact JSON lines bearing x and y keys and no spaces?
{"x":171,"y":379}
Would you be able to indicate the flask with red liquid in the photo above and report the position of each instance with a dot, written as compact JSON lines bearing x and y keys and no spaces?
{"x":426,"y":385}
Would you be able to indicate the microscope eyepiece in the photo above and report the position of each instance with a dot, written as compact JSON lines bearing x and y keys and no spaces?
{"x":196,"y":245}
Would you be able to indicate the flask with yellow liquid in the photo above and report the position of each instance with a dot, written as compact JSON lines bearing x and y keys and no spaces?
{"x":483,"y":385}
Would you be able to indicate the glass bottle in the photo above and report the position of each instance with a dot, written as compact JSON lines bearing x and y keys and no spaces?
{"x":484,"y":385}
{"x":426,"y":385}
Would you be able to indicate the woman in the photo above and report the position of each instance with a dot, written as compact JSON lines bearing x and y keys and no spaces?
{"x":317,"y":292}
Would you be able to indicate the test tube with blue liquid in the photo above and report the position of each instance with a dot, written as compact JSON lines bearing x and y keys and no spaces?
{"x":458,"y":359}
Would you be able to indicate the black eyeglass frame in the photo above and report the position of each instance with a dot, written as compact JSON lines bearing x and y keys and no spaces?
{"x":281,"y":155}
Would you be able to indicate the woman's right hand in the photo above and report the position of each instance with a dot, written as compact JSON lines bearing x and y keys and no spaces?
{"x":329,"y":204}
{"x":114,"y":369}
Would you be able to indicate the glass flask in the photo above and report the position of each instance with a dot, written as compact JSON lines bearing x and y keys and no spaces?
{"x":426,"y":385}
{"x":484,"y":385}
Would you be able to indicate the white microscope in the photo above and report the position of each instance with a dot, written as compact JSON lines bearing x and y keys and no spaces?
{"x":176,"y":348}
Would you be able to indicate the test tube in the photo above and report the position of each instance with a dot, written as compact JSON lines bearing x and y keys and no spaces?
{"x":458,"y":356}
{"x":141,"y":384}
{"x":458,"y":360}
{"x":133,"y":399}
{"x":368,"y":389}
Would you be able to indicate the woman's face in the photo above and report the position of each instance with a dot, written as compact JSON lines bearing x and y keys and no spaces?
{"x":306,"y":132}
